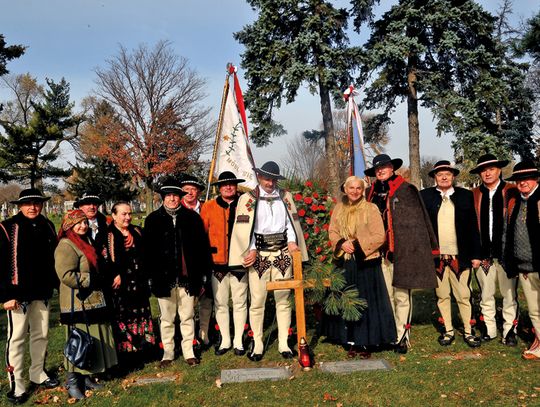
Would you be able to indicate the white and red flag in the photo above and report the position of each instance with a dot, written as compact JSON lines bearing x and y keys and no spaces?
{"x":231,"y":149}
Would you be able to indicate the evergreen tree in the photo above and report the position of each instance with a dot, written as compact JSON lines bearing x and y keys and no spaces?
{"x":29,"y":148}
{"x":443,"y":55}
{"x":103,"y":178}
{"x":296,"y":43}
{"x":7,"y":53}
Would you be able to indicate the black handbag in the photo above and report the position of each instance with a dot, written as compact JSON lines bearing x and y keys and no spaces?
{"x":79,"y":345}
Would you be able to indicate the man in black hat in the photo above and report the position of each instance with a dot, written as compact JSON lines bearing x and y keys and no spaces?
{"x":452,"y":214}
{"x":218,"y":217}
{"x":491,"y":202}
{"x":410,"y":240}
{"x":265,"y":232}
{"x":193,"y":188}
{"x":522,"y":251}
{"x":177,"y":257}
{"x":97,"y":222}
{"x":27,"y":281}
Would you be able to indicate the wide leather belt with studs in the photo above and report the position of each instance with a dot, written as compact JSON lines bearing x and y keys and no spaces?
{"x":271,"y":242}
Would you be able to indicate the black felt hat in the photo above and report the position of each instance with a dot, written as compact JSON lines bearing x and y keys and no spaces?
{"x":488,"y":160}
{"x":171,"y":185}
{"x":524,"y":170}
{"x":187,"y":179}
{"x":269,"y":169}
{"x":31,"y":195}
{"x":380,"y":160}
{"x":443,"y":165}
{"x":88,"y":198}
{"x":227,"y":177}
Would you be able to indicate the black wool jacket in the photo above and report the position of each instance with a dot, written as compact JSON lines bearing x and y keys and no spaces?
{"x":468,"y":237}
{"x":27,"y":270}
{"x":176,"y":253}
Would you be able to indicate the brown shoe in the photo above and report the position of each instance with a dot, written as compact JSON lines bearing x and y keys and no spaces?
{"x":165,"y":363}
{"x":193,"y":361}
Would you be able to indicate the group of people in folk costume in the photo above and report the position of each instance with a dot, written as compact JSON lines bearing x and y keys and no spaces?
{"x":388,"y":239}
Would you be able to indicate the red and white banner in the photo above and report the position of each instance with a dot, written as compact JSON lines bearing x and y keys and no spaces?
{"x":233,"y":152}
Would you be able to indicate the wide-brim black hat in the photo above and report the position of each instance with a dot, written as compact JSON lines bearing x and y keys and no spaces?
{"x":380,"y":160}
{"x":524,"y":170}
{"x":187,"y":179}
{"x":443,"y":165}
{"x":171,"y":185}
{"x":227,"y":177}
{"x":269,"y":169}
{"x":31,"y":195}
{"x":88,"y":198}
{"x":488,"y":160}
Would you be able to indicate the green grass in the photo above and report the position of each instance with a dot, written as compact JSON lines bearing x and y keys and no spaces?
{"x":492,"y":375}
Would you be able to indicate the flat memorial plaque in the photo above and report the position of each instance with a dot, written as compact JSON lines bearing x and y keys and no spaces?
{"x":355,"y":366}
{"x":254,"y":374}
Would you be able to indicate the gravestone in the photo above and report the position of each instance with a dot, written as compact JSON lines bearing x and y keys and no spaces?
{"x":254,"y":374}
{"x":355,"y":366}
{"x":152,"y":379}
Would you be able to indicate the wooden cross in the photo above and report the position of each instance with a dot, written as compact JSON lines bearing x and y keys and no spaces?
{"x":298,"y":286}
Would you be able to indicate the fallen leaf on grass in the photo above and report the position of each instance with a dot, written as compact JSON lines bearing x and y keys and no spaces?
{"x":72,"y":400}
{"x":443,"y":396}
{"x":402,"y":358}
{"x":126,"y":383}
{"x":292,"y":377}
{"x":218,"y":383}
{"x":471,"y":389}
{"x":329,"y":397}
{"x":339,"y":404}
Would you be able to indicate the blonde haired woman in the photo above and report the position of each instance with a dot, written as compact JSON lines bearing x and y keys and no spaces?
{"x":357,"y":233}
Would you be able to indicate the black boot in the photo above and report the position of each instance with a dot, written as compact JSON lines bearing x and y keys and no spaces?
{"x":73,"y":385}
{"x":90,"y":384}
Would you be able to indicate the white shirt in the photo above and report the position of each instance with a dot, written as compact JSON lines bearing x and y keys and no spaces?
{"x":93,"y":229}
{"x":491,"y":195}
{"x":272,"y":217}
{"x":448,"y":192}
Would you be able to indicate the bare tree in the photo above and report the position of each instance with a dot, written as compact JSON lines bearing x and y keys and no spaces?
{"x":305,"y":155}
{"x":25,"y":90}
{"x":159,"y":125}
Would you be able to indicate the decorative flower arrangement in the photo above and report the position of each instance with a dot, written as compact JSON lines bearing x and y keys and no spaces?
{"x":314,"y":207}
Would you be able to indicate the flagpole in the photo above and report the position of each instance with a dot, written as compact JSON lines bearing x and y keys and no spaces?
{"x":219,"y":127}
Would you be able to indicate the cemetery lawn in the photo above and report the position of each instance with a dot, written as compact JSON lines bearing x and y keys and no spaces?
{"x":492,"y":375}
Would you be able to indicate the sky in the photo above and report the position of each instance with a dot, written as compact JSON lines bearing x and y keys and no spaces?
{"x":70,"y":38}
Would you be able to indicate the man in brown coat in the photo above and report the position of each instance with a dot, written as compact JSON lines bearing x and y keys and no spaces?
{"x":410,"y":241}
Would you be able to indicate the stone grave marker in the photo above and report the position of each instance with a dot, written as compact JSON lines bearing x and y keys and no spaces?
{"x":355,"y":366}
{"x":254,"y":374}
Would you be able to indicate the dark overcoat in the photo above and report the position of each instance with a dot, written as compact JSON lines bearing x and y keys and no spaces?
{"x":411,"y":243}
{"x":468,"y":237}
{"x":414,"y":240}
{"x":167,"y":243}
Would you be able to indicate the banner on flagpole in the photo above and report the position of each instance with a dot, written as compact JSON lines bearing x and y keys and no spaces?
{"x":233,"y":152}
{"x":355,"y":134}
